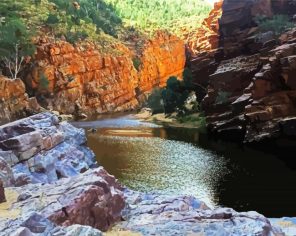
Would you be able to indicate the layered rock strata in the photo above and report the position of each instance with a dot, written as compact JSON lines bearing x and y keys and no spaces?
{"x":40,"y":149}
{"x":206,"y":38}
{"x":91,"y":199}
{"x":246,"y":84}
{"x":82,"y":79}
{"x":45,"y":167}
{"x":203,"y":47}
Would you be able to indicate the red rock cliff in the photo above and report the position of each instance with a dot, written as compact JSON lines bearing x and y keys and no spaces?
{"x":81,"y":78}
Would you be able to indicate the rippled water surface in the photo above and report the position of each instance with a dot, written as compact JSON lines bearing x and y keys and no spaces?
{"x":147,"y":157}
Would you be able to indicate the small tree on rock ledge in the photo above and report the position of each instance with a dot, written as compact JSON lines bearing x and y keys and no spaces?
{"x":15,"y":45}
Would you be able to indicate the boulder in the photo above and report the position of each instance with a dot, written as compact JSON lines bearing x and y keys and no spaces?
{"x":93,"y":198}
{"x":41,"y":149}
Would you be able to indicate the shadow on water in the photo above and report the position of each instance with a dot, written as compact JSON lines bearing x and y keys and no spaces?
{"x":181,"y":161}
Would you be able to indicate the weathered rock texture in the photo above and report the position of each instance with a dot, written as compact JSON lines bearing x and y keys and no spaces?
{"x":203,"y":47}
{"x":247,"y":82}
{"x":81,"y":79}
{"x":40,"y":149}
{"x":206,"y":38}
{"x":14,"y":102}
{"x":92,"y":199}
{"x":152,"y":214}
{"x":60,"y":195}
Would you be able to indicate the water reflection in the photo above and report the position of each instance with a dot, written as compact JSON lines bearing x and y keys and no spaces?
{"x":152,"y":163}
{"x":147,"y":157}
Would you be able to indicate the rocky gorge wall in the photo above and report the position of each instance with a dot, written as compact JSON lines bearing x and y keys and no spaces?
{"x":247,"y":82}
{"x":81,"y":79}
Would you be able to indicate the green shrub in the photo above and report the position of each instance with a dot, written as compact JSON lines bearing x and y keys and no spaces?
{"x":15,"y":45}
{"x":197,"y":120}
{"x":277,"y":24}
{"x":174,"y":95}
{"x":73,"y":37}
{"x":155,"y":101}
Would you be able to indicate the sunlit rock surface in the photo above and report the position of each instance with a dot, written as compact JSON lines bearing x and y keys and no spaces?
{"x":40,"y":149}
{"x":152,"y":214}
{"x":206,"y":38}
{"x":245,"y":83}
{"x":93,"y":199}
{"x":82,"y":79}
{"x":287,"y":224}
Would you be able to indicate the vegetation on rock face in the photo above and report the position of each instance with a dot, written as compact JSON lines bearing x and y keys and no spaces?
{"x":277,"y":24}
{"x":103,"y":21}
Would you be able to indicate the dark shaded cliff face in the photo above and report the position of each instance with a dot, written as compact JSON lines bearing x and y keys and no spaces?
{"x":250,"y":87}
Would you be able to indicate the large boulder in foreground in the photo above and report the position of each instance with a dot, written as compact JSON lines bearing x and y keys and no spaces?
{"x":41,"y":149}
{"x":91,"y":199}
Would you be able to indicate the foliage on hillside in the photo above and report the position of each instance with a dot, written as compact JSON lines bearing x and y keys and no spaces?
{"x":82,"y":19}
{"x":168,"y":14}
{"x":73,"y":20}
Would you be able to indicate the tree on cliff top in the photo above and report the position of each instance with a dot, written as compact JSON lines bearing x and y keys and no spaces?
{"x":15,"y":45}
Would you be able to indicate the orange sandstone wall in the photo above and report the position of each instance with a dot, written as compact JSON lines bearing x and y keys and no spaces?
{"x":81,"y":78}
{"x":206,"y":38}
{"x":14,"y":102}
{"x":163,"y":57}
